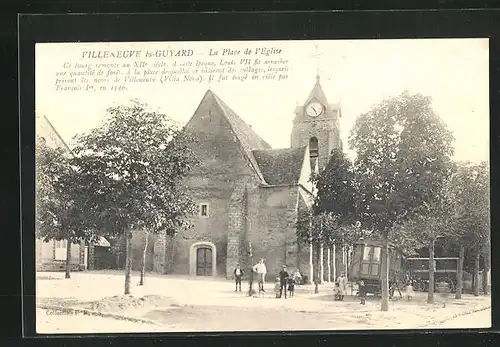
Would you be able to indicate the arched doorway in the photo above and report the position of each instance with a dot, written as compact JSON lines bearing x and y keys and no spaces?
{"x":202,"y":259}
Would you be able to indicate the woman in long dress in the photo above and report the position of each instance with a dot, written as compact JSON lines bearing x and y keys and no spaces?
{"x":342,"y":282}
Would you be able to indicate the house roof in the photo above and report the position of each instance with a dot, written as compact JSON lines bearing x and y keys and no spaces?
{"x":42,"y":131}
{"x":281,"y":166}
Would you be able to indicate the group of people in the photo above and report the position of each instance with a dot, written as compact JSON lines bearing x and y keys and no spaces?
{"x":285,"y":282}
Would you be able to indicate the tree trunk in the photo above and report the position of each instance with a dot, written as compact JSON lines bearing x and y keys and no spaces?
{"x":476,"y":274}
{"x":128,"y":260}
{"x":346,"y":267}
{"x":311,"y":267}
{"x":334,"y":263}
{"x":460,"y":273}
{"x":487,"y":266}
{"x":430,"y":289}
{"x":329,"y":267}
{"x":317,"y":272}
{"x":385,"y":273}
{"x":321,"y":265}
{"x":68,"y":259}
{"x":144,"y":253}
{"x":485,"y":281}
{"x":250,"y":270}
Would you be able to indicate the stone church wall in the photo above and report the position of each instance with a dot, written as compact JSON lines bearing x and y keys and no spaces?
{"x":270,"y":227}
{"x":212,"y":229}
{"x":222,"y":164}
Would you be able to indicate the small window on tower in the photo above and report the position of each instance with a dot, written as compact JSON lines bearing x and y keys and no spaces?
{"x":203,"y":210}
{"x":313,"y":147}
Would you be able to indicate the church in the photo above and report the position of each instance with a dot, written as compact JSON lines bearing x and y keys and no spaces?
{"x":248,"y":194}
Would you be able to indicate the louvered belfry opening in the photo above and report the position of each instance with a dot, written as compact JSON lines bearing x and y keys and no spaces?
{"x":313,"y":148}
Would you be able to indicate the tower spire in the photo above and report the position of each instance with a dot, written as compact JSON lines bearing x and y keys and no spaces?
{"x":316,"y":55}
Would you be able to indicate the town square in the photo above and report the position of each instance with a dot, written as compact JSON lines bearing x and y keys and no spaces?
{"x":186,"y":304}
{"x":318,"y":197}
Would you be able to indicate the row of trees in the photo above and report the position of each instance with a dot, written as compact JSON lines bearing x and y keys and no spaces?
{"x":401,"y":188}
{"x":121,"y":177}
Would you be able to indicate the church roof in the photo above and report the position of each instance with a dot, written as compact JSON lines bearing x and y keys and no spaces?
{"x":281,"y":166}
{"x":245,"y":135}
{"x":317,"y":94}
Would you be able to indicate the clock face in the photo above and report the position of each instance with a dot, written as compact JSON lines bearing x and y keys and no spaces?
{"x":314,"y":109}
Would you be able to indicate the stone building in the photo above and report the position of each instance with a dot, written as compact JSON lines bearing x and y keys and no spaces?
{"x":248,"y":194}
{"x":51,"y":256}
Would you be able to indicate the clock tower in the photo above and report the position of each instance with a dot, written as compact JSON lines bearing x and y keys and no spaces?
{"x":316,"y":124}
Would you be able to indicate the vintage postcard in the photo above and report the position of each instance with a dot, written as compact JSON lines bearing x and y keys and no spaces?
{"x":262,"y":186}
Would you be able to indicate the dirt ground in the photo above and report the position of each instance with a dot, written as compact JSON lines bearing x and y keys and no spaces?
{"x":478,"y":319}
{"x":181,"y":303}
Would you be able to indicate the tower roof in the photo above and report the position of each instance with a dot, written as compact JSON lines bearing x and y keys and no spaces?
{"x":317,"y":93}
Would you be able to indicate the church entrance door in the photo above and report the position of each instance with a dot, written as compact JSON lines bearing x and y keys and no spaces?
{"x":204,"y":261}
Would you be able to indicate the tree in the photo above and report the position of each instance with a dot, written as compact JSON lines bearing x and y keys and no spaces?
{"x":336,"y":192}
{"x":59,"y":204}
{"x":144,"y":254}
{"x":470,"y":193}
{"x":426,"y":228}
{"x":403,"y":152}
{"x":133,"y":166}
{"x":334,"y":205}
{"x":324,"y":229}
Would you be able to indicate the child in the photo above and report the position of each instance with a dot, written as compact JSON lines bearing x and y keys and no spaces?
{"x":409,"y":291}
{"x":291,"y":286}
{"x":277,"y":287}
{"x":336,"y":292}
{"x":362,"y":292}
{"x":297,"y":277}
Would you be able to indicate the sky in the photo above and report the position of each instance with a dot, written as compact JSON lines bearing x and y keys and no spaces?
{"x":356,"y":73}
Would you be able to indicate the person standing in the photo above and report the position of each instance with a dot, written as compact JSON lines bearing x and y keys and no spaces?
{"x":238,"y":274}
{"x":291,"y":286}
{"x":261,"y":270}
{"x":283,"y":275}
{"x":342,"y":281}
{"x":297,"y":277}
{"x":409,"y":291}
{"x":362,"y":292}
